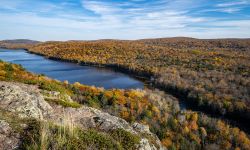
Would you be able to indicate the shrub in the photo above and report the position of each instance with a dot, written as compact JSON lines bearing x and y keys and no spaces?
{"x":127,"y":139}
{"x":9,"y":67}
{"x":64,"y":103}
{"x":44,"y":135}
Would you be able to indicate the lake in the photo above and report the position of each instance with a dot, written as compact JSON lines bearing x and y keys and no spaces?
{"x":88,"y":75}
{"x":62,"y":71}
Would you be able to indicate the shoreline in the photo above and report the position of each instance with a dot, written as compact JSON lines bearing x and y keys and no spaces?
{"x":234,"y":119}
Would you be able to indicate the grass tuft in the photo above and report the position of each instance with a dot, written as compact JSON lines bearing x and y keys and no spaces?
{"x":63,"y":103}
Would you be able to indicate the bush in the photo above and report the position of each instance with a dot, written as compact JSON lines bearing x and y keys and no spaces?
{"x":100,"y":140}
{"x":127,"y":139}
{"x":9,"y":71}
{"x":9,"y":67}
{"x":53,"y":86}
{"x":64,"y":103}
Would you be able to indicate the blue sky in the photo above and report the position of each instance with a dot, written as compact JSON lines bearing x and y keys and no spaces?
{"x":123,"y":19}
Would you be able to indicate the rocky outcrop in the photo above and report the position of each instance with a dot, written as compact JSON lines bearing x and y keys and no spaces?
{"x":24,"y":100}
{"x":9,"y":140}
{"x":141,"y":128}
{"x":27,"y":101}
{"x":87,"y":117}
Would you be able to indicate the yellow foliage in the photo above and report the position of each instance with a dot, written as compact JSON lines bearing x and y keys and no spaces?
{"x":226,"y":145}
{"x":195,"y":137}
{"x":186,"y":129}
{"x":108,"y":94}
{"x":220,"y":125}
{"x":2,"y":73}
{"x":203,"y":131}
{"x":66,"y":82}
{"x":193,"y":125}
{"x":194,"y":117}
{"x":196,"y":52}
{"x":124,"y":114}
{"x":77,"y":84}
{"x":166,"y":142}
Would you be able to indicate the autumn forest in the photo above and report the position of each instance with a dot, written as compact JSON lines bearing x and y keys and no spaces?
{"x":211,"y":75}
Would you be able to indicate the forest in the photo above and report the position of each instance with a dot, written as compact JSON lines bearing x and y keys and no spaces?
{"x":176,"y":129}
{"x":210,"y":74}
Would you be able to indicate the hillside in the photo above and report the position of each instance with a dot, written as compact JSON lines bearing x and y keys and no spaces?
{"x":206,"y":44}
{"x":18,"y":43}
{"x":47,"y":118}
{"x":210,"y":74}
{"x":66,"y":114}
{"x":21,"y":41}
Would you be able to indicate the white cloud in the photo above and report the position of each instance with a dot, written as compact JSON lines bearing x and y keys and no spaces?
{"x":123,"y":20}
{"x":230,"y":7}
{"x":224,"y":10}
{"x":235,"y":3}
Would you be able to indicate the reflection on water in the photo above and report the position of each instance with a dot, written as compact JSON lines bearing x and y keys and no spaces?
{"x":68,"y":71}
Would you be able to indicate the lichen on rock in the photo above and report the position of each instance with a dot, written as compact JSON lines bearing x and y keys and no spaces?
{"x":24,"y":100}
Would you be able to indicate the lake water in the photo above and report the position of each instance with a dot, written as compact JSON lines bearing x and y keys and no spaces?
{"x":62,"y":71}
{"x":86,"y":75}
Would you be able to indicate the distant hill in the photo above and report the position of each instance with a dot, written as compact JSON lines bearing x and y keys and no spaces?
{"x":185,"y":42}
{"x":173,"y":42}
{"x":18,"y":43}
{"x":21,"y":41}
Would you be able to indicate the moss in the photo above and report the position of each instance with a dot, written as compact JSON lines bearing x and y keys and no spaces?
{"x":63,"y":103}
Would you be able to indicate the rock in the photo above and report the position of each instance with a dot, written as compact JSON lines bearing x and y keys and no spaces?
{"x":9,"y":140}
{"x":87,"y":117}
{"x":27,"y":101}
{"x":181,"y":118}
{"x":24,"y":100}
{"x":56,"y":95}
{"x":144,"y":145}
{"x":141,"y":128}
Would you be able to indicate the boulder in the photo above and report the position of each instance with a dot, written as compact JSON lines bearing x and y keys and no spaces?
{"x":24,"y":100}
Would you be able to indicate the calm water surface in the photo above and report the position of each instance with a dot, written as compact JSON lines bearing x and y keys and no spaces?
{"x":86,"y":75}
{"x":99,"y":77}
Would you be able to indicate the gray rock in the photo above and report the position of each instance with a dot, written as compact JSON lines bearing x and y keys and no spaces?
{"x":9,"y":140}
{"x":141,"y":128}
{"x":56,"y":95}
{"x":87,"y":117}
{"x":24,"y":100}
{"x":27,"y":101}
{"x":144,"y":145}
